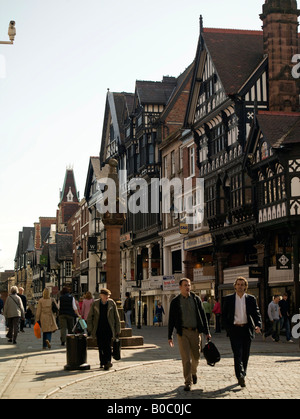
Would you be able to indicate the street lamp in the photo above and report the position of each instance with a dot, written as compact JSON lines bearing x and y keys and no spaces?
{"x":11,"y":33}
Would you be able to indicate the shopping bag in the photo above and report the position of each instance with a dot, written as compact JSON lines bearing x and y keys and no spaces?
{"x":116,"y":349}
{"x":37,"y":330}
{"x":80,"y":327}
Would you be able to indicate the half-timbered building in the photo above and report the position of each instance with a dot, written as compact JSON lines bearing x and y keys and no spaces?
{"x":240,"y":78}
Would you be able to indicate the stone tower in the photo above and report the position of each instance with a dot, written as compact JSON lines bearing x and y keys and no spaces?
{"x":280,"y":28}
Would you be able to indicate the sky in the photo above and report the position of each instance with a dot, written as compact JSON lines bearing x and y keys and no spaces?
{"x":54,"y":81}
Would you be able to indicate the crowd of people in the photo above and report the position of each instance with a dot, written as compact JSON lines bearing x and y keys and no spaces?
{"x":190,"y":315}
{"x":50,"y":314}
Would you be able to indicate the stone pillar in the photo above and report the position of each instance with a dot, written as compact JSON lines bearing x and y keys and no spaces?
{"x":113,"y":271}
{"x":113,"y":223}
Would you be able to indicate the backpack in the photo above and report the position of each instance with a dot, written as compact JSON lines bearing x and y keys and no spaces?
{"x":211,"y":353}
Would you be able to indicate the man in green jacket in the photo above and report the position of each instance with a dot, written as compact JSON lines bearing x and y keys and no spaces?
{"x":103,"y":323}
{"x":188,"y":317}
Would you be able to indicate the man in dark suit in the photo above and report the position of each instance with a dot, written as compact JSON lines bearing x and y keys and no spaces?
{"x":242,"y":319}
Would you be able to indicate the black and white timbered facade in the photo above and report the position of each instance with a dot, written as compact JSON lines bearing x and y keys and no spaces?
{"x":247,"y":153}
{"x":230,"y":84}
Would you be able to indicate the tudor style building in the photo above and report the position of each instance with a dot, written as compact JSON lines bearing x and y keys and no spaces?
{"x":229,"y":81}
{"x":240,"y":79}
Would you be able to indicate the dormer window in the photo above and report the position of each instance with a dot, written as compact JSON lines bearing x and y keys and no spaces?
{"x":70,"y":196}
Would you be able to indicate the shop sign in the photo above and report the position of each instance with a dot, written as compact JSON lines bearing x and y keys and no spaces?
{"x":125,"y":238}
{"x":196,"y":242}
{"x":183,"y":228}
{"x":256,"y":272}
{"x":43,"y":260}
{"x":92,"y":244}
{"x":283,"y":261}
{"x":169,"y":283}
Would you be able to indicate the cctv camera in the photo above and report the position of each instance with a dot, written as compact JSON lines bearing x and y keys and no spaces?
{"x":12,"y":30}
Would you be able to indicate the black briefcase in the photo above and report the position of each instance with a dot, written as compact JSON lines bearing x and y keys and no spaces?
{"x":116,"y":352}
{"x":211,"y":353}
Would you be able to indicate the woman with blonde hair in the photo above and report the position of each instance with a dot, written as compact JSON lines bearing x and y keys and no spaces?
{"x":45,"y":316}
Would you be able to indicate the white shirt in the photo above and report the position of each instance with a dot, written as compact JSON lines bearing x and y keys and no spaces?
{"x":240,"y":315}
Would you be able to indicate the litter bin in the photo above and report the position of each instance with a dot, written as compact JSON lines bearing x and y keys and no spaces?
{"x":76,"y":353}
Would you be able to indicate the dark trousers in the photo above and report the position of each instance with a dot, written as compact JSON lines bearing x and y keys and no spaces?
{"x":104,"y":346}
{"x":13,"y":327}
{"x":66,"y":323}
{"x":240,"y":344}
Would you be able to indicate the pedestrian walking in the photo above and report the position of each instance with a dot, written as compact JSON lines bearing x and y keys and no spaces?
{"x":285,"y":317}
{"x":45,"y":317}
{"x":207,"y":308}
{"x":13,"y":312}
{"x":217,"y":312}
{"x":242,"y":320}
{"x":104,"y":324}
{"x":67,"y":312}
{"x":28,"y":317}
{"x":127,"y":307}
{"x":159,"y":311}
{"x":275,"y":319}
{"x":187,"y":316}
{"x":86,"y":305}
{"x":24,"y":301}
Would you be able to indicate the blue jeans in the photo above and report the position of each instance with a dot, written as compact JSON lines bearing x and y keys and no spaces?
{"x":285,"y":323}
{"x":46,"y":336}
{"x":128,"y":319}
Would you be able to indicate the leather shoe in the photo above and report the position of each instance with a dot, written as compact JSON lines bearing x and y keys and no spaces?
{"x":242,"y":381}
{"x":195,"y":379}
{"x":187,"y":387}
{"x":108,"y":366}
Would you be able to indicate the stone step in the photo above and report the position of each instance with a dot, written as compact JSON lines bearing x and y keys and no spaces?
{"x":125,"y":341}
{"x":132,"y":341}
{"x":126,"y":333}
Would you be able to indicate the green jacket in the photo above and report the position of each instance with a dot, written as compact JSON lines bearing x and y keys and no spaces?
{"x":112,"y":315}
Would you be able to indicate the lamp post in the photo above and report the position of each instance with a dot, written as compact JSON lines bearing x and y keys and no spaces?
{"x":11,"y":33}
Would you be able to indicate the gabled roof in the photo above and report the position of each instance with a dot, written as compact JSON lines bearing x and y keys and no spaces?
{"x":25,"y":242}
{"x":182,"y":81}
{"x":280,"y":128}
{"x":94,"y":169}
{"x":235,"y":54}
{"x":155,"y":92}
{"x":117,"y":109}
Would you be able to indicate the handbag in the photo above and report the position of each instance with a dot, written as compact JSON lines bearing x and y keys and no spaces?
{"x":54,"y":308}
{"x":116,"y":349}
{"x":211,"y":353}
{"x":37,"y":330}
